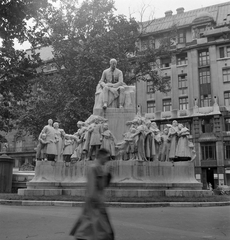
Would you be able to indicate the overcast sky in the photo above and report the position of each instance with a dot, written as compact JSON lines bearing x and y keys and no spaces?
{"x":155,"y":8}
{"x":159,"y":7}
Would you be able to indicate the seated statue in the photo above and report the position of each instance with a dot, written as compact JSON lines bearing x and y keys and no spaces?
{"x":111,"y":91}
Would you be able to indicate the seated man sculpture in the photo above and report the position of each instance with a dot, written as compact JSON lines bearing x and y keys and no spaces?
{"x":110,"y":88}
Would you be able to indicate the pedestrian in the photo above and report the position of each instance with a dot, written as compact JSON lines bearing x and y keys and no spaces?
{"x":93,"y":223}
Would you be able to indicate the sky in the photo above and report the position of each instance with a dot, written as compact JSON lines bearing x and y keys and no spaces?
{"x":154,"y":9}
{"x":159,"y":7}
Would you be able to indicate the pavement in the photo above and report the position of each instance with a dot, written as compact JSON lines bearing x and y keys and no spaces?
{"x":113,"y":204}
{"x":172,"y":223}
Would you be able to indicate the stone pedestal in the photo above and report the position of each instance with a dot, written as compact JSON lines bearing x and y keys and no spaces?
{"x":132,"y":180}
{"x":117,"y":118}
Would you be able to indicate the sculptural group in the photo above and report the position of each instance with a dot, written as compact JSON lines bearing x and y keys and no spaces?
{"x":143,"y":141}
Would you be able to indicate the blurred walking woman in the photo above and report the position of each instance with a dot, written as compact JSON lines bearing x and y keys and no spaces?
{"x":93,"y":223}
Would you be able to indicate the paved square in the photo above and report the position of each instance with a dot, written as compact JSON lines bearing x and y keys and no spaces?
{"x":169,"y":223}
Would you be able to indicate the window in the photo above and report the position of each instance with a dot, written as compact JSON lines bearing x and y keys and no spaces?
{"x":224,"y":51}
{"x":205,"y":100}
{"x":226,"y":75}
{"x":167,"y":105}
{"x":152,"y":42}
{"x":181,"y":37}
{"x":183,"y":103}
{"x":204,"y":75}
{"x":144,"y":44}
{"x":203,"y":57}
{"x":150,"y":86}
{"x":228,"y":51}
{"x":182,"y":59}
{"x":182,"y":84}
{"x":165,"y":62}
{"x":221,"y":50}
{"x":227,"y":98}
{"x":202,"y":30}
{"x":167,"y":88}
{"x":227,"y":150}
{"x":182,"y":81}
{"x":208,"y":151}
{"x":207,"y":125}
{"x":227,"y":124}
{"x":151,"y":107}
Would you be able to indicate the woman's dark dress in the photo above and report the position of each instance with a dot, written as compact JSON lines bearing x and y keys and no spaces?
{"x":94,"y":224}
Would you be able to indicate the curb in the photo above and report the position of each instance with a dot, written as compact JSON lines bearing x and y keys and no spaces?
{"x":113,"y":204}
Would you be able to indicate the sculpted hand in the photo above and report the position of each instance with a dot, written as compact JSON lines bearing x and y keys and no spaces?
{"x":109,"y":84}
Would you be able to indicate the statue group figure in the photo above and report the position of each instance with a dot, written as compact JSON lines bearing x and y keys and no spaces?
{"x":55,"y":145}
{"x":145,"y":142}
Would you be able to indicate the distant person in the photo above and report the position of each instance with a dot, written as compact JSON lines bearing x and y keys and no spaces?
{"x":93,"y":223}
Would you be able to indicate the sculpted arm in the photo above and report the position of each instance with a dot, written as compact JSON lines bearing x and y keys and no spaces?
{"x":102,"y":81}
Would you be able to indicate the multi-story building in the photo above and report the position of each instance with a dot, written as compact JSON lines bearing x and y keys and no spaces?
{"x":199,"y":73}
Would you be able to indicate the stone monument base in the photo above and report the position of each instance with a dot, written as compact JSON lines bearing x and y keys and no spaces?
{"x":132,"y":180}
{"x":117,"y":118}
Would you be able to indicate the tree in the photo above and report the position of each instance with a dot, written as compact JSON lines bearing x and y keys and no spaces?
{"x":15,"y":69}
{"x":84,"y":38}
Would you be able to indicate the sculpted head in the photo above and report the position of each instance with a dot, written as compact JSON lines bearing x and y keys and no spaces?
{"x":50,"y":122}
{"x":174,"y":123}
{"x":106,"y":126}
{"x":148,"y":123}
{"x":56,"y":125}
{"x":166,"y":131}
{"x":79,"y":124}
{"x":113,"y":63}
{"x":43,"y":136}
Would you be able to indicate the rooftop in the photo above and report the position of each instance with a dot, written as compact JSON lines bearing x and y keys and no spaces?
{"x":220,"y":13}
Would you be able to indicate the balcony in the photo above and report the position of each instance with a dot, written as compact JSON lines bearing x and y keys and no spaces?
{"x":26,"y":148}
{"x":216,"y":31}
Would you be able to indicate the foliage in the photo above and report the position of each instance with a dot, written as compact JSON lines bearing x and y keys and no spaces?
{"x":84,"y":38}
{"x":15,"y":69}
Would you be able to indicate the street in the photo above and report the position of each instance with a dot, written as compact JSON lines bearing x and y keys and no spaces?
{"x":169,"y":223}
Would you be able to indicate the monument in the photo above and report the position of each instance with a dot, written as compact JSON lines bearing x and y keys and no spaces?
{"x":145,"y":161}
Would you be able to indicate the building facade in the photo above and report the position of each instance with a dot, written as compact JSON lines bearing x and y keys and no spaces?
{"x":199,"y":74}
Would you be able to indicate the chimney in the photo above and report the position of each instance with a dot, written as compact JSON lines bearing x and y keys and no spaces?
{"x":180,"y":10}
{"x":168,"y":13}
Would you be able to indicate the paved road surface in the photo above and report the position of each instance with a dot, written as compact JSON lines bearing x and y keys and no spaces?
{"x":169,"y":223}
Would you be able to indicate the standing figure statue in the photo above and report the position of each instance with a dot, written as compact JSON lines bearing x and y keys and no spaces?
{"x":164,"y":148}
{"x":150,"y":149}
{"x":185,"y":148}
{"x":41,"y":148}
{"x":95,"y":130}
{"x":110,"y":87}
{"x":157,"y":138}
{"x":173,"y":129}
{"x":59,"y":137}
{"x":108,"y":140}
{"x":51,"y":149}
{"x":79,"y":141}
